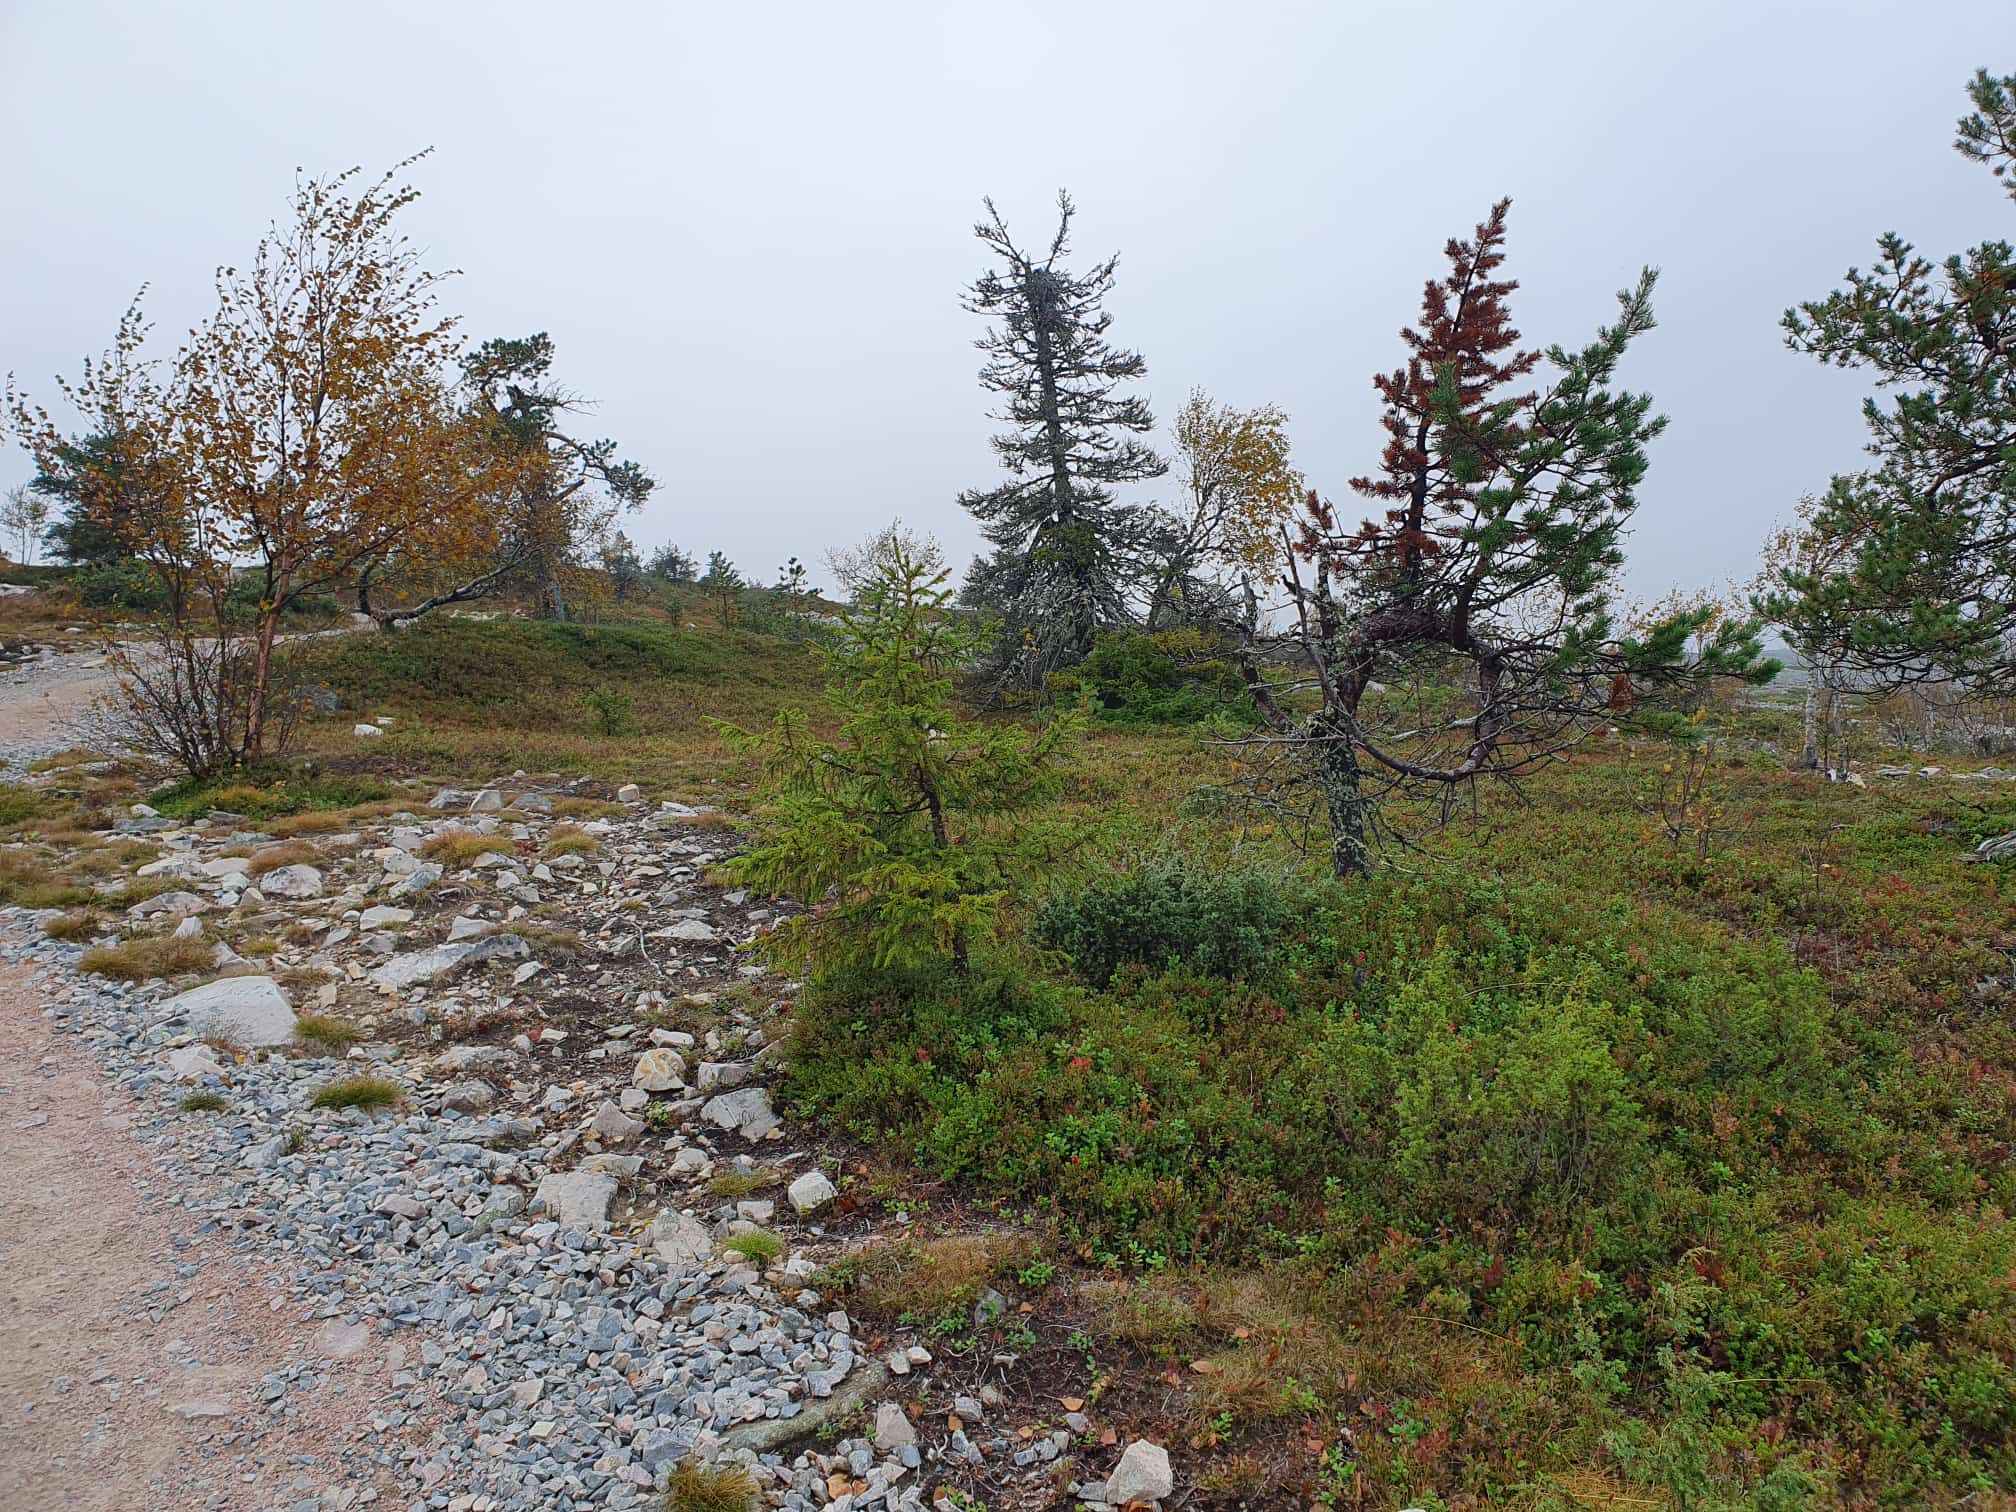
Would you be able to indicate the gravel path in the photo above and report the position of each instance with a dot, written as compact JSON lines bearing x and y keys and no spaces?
{"x":273,"y":1305}
{"x":132,"y":1345}
{"x":42,"y":700}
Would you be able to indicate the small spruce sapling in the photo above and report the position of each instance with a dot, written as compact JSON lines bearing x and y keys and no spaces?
{"x":904,"y":834}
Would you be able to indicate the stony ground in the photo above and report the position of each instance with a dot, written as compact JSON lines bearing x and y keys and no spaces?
{"x":517,"y":1285}
{"x":45,"y":690}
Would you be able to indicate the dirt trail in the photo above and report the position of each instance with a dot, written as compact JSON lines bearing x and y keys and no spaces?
{"x":42,"y":701}
{"x":127,"y":1380}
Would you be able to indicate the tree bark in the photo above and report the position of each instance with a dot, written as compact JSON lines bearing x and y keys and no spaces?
{"x":1338,"y":775}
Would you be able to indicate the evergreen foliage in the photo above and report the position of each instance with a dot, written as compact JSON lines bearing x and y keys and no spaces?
{"x":1927,"y":586}
{"x":1065,"y":550}
{"x":905,"y":833}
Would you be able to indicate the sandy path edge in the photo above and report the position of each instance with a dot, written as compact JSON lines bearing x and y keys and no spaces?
{"x":90,"y":1291}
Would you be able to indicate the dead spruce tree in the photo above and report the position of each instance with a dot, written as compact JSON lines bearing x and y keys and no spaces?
{"x":1062,"y":563}
{"x":1479,"y":593}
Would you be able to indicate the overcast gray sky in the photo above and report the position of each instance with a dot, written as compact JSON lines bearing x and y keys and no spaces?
{"x":747,"y":226}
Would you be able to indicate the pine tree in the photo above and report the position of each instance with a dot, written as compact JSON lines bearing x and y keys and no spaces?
{"x":905,"y":834}
{"x":1062,"y":562}
{"x":723,"y":584}
{"x":1489,"y":565}
{"x":1929,"y":593}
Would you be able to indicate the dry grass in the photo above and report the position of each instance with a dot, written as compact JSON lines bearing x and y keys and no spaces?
{"x":330,"y":821}
{"x":459,"y":848}
{"x":59,"y":760}
{"x":301,"y":978}
{"x":101,"y":860}
{"x":72,"y":926}
{"x":327,"y":1031}
{"x":570,"y":840}
{"x":152,"y":956}
{"x":586,"y":808}
{"x":933,"y":1276}
{"x":695,"y":1487}
{"x":273,"y":857}
{"x":544,"y":936}
{"x":265,"y":945}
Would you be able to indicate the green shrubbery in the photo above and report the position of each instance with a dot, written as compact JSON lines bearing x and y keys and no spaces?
{"x":1166,"y":911}
{"x":1173,"y":677}
{"x":128,"y":585}
{"x":1620,"y":1137}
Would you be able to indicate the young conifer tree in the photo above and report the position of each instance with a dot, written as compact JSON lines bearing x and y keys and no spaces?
{"x":905,"y":832}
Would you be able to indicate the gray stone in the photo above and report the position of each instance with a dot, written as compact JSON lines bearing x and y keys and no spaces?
{"x":695,"y":931}
{"x":1143,"y":1475}
{"x":463,"y":927}
{"x":416,"y":881}
{"x":248,"y":1010}
{"x":893,"y":1428}
{"x":681,"y":1240}
{"x":488,"y":801}
{"x":170,"y":903}
{"x":811,"y":1192}
{"x":481,"y":1059}
{"x":578,"y":1197}
{"x":612,"y":1123}
{"x":425,"y":965}
{"x":468,"y":1097}
{"x":746,"y":1110}
{"x":628,"y":793}
{"x":292,"y":882}
{"x":378,"y":916}
{"x":450,"y":798}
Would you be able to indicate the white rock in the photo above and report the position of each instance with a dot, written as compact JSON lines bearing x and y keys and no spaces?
{"x":177,"y":903}
{"x":247,"y":1010}
{"x":193,"y":1063}
{"x":1143,"y":1475}
{"x":660,"y":1070}
{"x":893,"y":1428}
{"x":366,"y":730}
{"x":465,"y":928}
{"x":425,"y":965}
{"x":612,"y":1123}
{"x":628,"y":793}
{"x":189,"y":928}
{"x":489,"y":801}
{"x":811,"y":1192}
{"x":698,"y":931}
{"x":378,"y":916}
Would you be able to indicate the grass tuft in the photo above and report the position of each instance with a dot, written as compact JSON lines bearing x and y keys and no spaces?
{"x":151,"y":956}
{"x":695,"y":1487}
{"x":327,"y":1030}
{"x":733,"y":1184}
{"x":761,"y":1245}
{"x":203,"y":1102}
{"x":458,"y":848}
{"x":359,"y":1092}
{"x":80,"y":925}
{"x":570,"y":840}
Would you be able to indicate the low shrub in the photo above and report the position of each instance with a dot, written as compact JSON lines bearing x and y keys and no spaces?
{"x":611,"y":711}
{"x":1173,"y":677}
{"x":1165,"y":911}
{"x":130,"y":585}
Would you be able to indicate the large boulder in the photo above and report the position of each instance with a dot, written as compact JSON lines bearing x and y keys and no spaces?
{"x":247,"y":1010}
